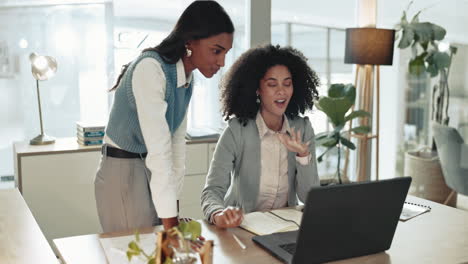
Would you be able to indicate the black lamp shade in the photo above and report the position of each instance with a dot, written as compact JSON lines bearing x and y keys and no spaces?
{"x":369,"y":46}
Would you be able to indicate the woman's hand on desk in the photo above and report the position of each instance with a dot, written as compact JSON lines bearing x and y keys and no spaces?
{"x":229,"y":217}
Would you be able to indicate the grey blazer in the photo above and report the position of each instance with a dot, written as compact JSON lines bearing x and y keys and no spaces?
{"x":234,"y":175}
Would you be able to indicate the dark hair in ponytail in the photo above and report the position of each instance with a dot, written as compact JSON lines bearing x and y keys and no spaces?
{"x":201,"y":19}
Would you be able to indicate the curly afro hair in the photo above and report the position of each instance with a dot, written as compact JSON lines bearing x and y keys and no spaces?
{"x":239,"y":85}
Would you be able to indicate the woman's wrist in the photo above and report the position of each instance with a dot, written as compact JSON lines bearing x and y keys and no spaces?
{"x":213,"y":216}
{"x":304,"y":154}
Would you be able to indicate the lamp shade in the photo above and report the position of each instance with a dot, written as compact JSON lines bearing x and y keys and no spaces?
{"x":42,"y":67}
{"x":369,"y":46}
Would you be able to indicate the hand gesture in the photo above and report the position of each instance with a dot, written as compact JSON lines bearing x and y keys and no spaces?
{"x":292,"y":141}
{"x":229,"y":217}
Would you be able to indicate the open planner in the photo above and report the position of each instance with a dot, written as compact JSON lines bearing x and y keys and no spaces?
{"x":411,"y":210}
{"x":279,"y":220}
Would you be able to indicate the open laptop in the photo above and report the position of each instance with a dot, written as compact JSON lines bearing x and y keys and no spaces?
{"x":342,"y":221}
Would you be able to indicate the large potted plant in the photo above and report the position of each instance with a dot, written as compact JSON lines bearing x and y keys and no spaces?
{"x":336,"y":106}
{"x":431,"y":59}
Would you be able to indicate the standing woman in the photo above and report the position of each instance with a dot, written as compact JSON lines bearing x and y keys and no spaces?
{"x":141,"y":173}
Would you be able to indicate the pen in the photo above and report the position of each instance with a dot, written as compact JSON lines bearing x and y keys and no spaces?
{"x":239,"y":242}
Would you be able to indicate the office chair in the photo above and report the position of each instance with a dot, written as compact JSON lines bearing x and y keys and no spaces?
{"x":453,"y":155}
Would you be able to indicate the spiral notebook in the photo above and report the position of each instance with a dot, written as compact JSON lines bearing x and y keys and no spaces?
{"x":411,"y":210}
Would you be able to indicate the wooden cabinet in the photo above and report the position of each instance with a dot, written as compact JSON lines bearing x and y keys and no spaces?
{"x":199,"y":157}
{"x":57,"y":183}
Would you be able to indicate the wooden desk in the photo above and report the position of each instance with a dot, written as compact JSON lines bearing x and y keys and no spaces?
{"x":21,"y":239}
{"x":440,"y":236}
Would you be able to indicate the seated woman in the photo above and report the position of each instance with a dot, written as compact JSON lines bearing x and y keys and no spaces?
{"x":265,"y":157}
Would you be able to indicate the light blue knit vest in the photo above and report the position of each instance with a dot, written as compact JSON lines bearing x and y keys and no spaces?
{"x":123,"y":126}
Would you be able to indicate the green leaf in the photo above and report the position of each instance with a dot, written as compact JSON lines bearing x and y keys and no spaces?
{"x":407,"y":38}
{"x":404,"y":20}
{"x":321,"y":135}
{"x":134,"y":246}
{"x":320,"y":158}
{"x":355,"y":114}
{"x":327,"y":142}
{"x":152,"y":260}
{"x":432,"y":68}
{"x":129,"y":255}
{"x":338,"y":90}
{"x":423,"y":31}
{"x":190,"y":229}
{"x":168,"y":261}
{"x":438,"y":32}
{"x":335,"y":108}
{"x":441,"y":59}
{"x":361,"y":129}
{"x":416,"y":18}
{"x":347,"y":143}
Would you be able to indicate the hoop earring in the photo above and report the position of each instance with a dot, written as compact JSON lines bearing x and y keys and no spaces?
{"x":188,"y":52}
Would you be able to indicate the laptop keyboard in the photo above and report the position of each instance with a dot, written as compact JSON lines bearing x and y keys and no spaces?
{"x":290,"y":248}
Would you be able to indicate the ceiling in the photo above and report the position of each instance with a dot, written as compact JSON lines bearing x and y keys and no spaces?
{"x":451,"y":14}
{"x":333,"y":13}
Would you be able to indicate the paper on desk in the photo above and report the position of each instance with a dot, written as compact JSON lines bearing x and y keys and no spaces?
{"x":115,"y":248}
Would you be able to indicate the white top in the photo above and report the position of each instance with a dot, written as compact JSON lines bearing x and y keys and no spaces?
{"x":166,"y":153}
{"x":274,"y":186}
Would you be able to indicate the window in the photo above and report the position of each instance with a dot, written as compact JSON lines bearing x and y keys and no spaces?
{"x":77,"y":37}
{"x":131,"y":35}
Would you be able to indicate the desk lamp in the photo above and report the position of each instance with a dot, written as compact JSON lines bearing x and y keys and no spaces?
{"x":42,"y":68}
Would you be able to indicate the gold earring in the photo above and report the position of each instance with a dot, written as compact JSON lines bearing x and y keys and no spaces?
{"x":188,"y":52}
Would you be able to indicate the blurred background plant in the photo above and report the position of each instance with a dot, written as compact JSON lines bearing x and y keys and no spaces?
{"x":340,"y":99}
{"x":430,"y":55}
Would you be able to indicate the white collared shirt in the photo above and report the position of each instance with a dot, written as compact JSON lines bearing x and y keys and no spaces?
{"x":274,"y":186}
{"x":166,"y":153}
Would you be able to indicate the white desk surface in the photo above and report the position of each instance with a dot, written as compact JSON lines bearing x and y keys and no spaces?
{"x":21,"y":239}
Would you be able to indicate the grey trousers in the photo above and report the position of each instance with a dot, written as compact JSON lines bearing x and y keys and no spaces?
{"x":123,"y":195}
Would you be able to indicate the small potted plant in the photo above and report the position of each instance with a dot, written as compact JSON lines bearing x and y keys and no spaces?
{"x":178,"y":245}
{"x":336,"y":105}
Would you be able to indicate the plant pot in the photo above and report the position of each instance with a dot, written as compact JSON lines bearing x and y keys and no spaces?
{"x":428,"y":181}
{"x":334,"y":180}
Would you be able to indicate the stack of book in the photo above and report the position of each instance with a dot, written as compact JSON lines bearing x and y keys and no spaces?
{"x":197,"y":133}
{"x":89,"y":134}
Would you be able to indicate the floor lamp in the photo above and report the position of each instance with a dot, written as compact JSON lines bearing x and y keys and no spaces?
{"x":368,"y":47}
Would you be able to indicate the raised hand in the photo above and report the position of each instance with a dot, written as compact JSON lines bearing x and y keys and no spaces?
{"x":229,"y":217}
{"x":292,"y":141}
